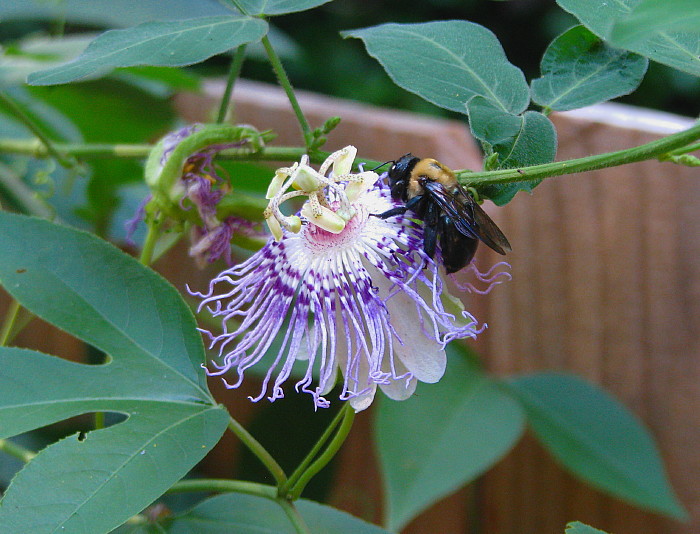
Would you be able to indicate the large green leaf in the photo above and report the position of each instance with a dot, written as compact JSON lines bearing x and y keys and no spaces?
{"x":680,"y":50}
{"x":668,"y":16}
{"x":577,"y":527}
{"x":516,"y":141}
{"x":248,"y":514}
{"x":597,"y":438}
{"x":443,"y":437}
{"x":579,"y":69}
{"x":167,"y":44}
{"x":447,"y":63}
{"x":278,"y":7}
{"x":92,"y":483}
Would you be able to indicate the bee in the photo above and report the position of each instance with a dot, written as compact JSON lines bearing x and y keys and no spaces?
{"x":450,"y":215}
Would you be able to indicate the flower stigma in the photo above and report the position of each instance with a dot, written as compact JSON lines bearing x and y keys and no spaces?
{"x":345,"y":296}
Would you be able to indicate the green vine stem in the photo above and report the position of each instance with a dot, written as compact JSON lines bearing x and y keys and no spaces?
{"x":299,"y":471}
{"x":680,"y":141}
{"x":218,"y":485}
{"x":327,"y":455}
{"x":17,"y":451}
{"x":651,"y":150}
{"x":287,"y":86}
{"x":258,"y":450}
{"x":233,"y":74}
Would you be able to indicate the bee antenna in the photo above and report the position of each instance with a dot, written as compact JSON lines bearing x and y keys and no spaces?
{"x":382,"y":165}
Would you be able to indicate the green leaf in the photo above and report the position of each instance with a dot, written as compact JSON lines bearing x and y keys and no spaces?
{"x":668,"y":16}
{"x":121,"y":13}
{"x":92,"y":483}
{"x":598,"y":439}
{"x":576,"y":527}
{"x":447,"y":63}
{"x":680,"y":50}
{"x":168,"y":44}
{"x":443,"y":437}
{"x":279,"y":7}
{"x":249,"y":514}
{"x":518,"y":141}
{"x":579,"y":69}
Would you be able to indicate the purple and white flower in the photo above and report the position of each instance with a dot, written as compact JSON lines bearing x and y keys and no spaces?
{"x":337,"y":290}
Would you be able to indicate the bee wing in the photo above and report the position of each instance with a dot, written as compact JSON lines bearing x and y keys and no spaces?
{"x":468,"y":217}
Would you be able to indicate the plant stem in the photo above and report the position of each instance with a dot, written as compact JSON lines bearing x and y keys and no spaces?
{"x":299,"y":471}
{"x":9,"y":322}
{"x":240,"y":486}
{"x":150,"y":243}
{"x":258,"y":450}
{"x":294,"y":516}
{"x":287,"y":86}
{"x":327,"y":455}
{"x":17,"y":451}
{"x":224,"y":486}
{"x":650,"y":150}
{"x":233,"y":74}
{"x":24,"y":118}
{"x":676,"y":143}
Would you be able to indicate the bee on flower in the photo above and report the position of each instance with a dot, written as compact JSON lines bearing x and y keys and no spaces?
{"x":351,"y":296}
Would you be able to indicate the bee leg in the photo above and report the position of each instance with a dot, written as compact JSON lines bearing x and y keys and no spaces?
{"x":399,"y":210}
{"x":430,"y":229}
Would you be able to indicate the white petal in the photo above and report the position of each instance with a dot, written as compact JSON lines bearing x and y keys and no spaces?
{"x":362,"y":402}
{"x":422,"y":355}
{"x":398,"y":389}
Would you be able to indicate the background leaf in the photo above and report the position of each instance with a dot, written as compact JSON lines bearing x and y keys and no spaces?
{"x":577,"y":527}
{"x":168,"y":44}
{"x":668,"y":16}
{"x":92,"y":483}
{"x":443,"y":437}
{"x":248,"y":514}
{"x":109,"y":13}
{"x":447,"y":63}
{"x":518,"y":141}
{"x":579,"y":69}
{"x":675,"y":49}
{"x":597,"y":438}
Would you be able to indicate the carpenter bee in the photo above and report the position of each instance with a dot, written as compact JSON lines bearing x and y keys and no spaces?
{"x":450,"y":215}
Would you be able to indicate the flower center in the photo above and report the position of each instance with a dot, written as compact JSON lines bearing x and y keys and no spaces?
{"x":320,"y":241}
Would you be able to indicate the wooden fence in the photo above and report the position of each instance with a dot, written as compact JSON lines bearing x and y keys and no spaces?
{"x":606,"y":284}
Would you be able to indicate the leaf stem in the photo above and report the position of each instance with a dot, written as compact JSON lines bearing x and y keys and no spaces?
{"x":218,"y":485}
{"x":17,"y":451}
{"x":258,"y":450}
{"x":327,"y":455}
{"x":24,"y":118}
{"x":233,"y":74}
{"x":287,"y":86}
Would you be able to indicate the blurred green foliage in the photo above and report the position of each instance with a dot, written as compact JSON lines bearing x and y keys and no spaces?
{"x":328,"y":64}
